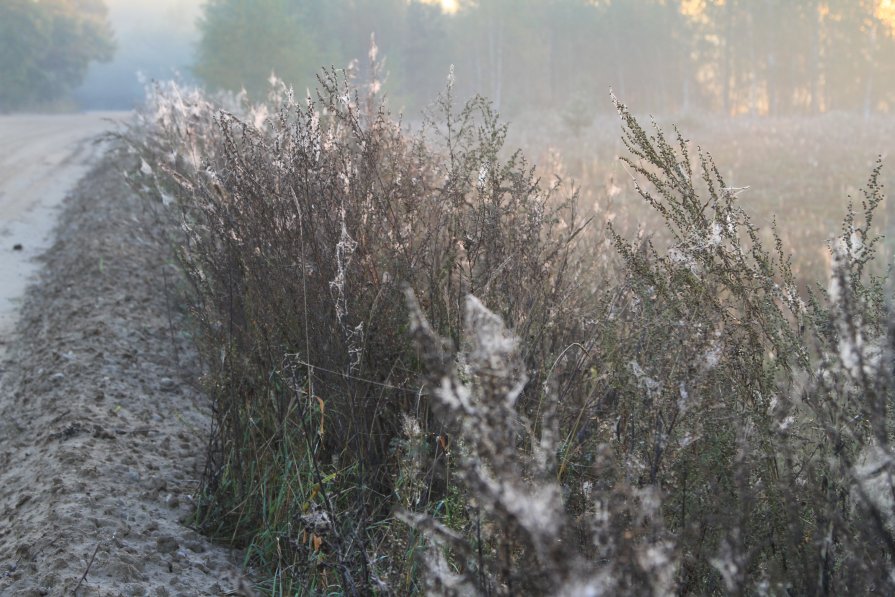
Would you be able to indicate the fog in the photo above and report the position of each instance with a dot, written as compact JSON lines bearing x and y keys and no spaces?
{"x":794,"y":97}
{"x":463,"y":320}
{"x":728,"y":57}
{"x":154,"y":40}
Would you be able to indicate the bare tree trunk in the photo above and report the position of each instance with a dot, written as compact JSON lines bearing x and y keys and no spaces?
{"x":479,"y":67}
{"x":619,"y":69}
{"x":726,"y":73}
{"x":552,"y":66}
{"x":495,"y":58}
{"x":815,"y":60}
{"x":498,"y":92}
{"x":868,"y":96}
{"x":778,"y":85}
{"x":753,"y":76}
{"x":869,"y":90}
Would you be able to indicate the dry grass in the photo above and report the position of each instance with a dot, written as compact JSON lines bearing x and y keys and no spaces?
{"x":800,"y":171}
{"x":558,"y":406}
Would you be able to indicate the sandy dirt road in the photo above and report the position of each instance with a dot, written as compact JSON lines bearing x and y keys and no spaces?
{"x":103,"y":427}
{"x":41,"y":159}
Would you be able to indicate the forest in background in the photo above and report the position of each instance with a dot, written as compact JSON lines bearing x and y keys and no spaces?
{"x":728,"y":57}
{"x":767,"y":57}
{"x":155,"y":41}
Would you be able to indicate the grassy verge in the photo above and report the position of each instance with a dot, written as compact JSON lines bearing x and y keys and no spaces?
{"x":429,"y":376}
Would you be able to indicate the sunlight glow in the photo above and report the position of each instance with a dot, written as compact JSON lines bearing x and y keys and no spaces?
{"x":692,"y":8}
{"x":448,"y":6}
{"x":885,"y":12}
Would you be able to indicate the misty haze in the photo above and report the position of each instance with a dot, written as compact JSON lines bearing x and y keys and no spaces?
{"x":449,"y":297}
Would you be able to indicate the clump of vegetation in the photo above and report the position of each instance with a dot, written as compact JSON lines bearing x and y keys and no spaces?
{"x":426,"y":377}
{"x":300,"y":228}
{"x":731,"y":396}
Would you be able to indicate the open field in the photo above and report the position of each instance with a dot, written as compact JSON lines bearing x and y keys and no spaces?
{"x":800,"y":171}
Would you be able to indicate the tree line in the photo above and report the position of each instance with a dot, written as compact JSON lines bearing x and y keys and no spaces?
{"x":761,"y":57}
{"x":46,"y":47}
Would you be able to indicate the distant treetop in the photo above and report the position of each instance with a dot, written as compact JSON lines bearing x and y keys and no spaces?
{"x":46,"y":47}
{"x":726,"y":56}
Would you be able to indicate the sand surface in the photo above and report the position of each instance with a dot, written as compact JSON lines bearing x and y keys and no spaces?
{"x":103,"y":428}
{"x":41,"y":158}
